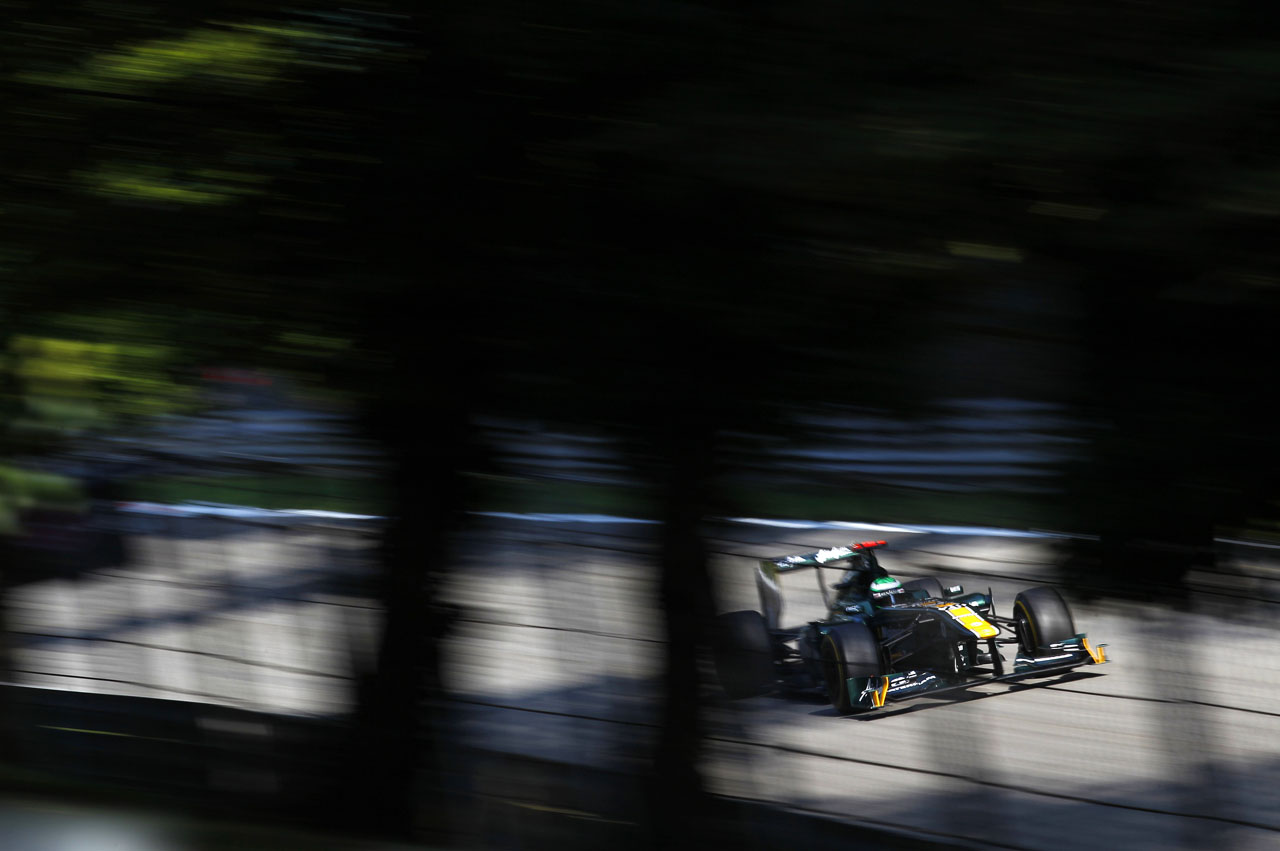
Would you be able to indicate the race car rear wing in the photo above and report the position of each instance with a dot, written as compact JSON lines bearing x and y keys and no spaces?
{"x":822,"y":558}
{"x":769,"y":570}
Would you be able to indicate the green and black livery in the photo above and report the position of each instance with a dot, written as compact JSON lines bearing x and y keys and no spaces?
{"x":882,"y":640}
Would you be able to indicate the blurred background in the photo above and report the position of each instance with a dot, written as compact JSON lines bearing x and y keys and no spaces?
{"x":391,"y":394}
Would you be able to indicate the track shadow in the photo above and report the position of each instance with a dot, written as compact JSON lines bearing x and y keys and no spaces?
{"x":564,"y":768}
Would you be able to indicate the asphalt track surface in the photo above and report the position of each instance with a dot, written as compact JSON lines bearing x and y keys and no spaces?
{"x":210,"y":610}
{"x":1174,"y":744}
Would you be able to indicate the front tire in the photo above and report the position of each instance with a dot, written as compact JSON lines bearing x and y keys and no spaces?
{"x":848,"y":650}
{"x":743,"y":651}
{"x":1042,"y":618}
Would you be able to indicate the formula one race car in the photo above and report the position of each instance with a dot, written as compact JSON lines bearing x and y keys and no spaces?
{"x":887,"y":640}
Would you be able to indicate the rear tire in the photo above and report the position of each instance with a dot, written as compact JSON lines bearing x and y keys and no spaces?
{"x":1043,"y":618}
{"x":848,"y":650}
{"x":931,"y":584}
{"x":743,"y":652}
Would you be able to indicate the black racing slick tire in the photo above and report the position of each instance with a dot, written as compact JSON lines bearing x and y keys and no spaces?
{"x":743,"y":651}
{"x":1042,"y":618}
{"x":848,"y":650}
{"x":931,"y":584}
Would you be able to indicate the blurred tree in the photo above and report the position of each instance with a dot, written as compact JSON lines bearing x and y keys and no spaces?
{"x":191,"y":189}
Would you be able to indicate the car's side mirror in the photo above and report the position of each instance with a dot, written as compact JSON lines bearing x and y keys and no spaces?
{"x":955,"y":590}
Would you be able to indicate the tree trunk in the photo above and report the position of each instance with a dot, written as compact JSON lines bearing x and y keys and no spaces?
{"x":678,"y":794}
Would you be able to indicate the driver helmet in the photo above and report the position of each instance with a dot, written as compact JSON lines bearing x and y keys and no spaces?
{"x":885,"y":591}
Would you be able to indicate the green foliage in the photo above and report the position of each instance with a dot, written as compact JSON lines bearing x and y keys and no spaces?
{"x":78,"y":383}
{"x":740,"y":213}
{"x":242,"y":54}
{"x":157,"y":183}
{"x":162,"y":178}
{"x":24,"y":489}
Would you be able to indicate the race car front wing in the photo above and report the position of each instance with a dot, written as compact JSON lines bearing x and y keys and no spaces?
{"x":874,"y":692}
